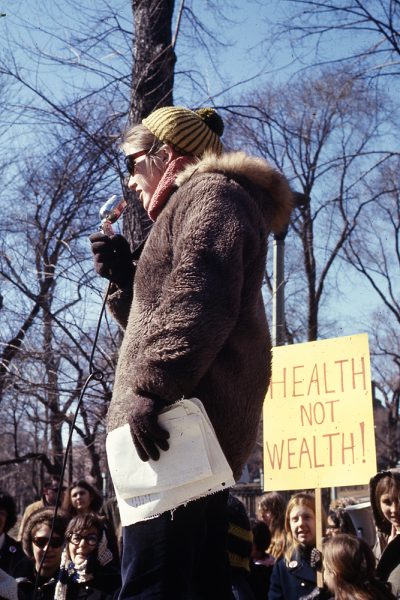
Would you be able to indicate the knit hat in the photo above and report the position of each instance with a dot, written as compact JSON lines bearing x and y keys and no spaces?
{"x":38,"y":517}
{"x":190,"y":131}
{"x":240,"y":536}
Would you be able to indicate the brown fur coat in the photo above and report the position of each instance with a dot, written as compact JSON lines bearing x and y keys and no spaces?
{"x":196,"y":326}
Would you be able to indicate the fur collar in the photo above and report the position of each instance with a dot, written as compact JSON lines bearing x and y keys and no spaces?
{"x":267,"y":185}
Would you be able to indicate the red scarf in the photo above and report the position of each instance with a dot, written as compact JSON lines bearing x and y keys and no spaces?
{"x":166,"y":185}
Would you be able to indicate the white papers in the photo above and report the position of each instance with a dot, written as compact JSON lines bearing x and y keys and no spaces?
{"x":194,"y":466}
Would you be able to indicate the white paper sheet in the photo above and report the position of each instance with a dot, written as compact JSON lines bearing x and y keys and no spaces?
{"x":194,"y":466}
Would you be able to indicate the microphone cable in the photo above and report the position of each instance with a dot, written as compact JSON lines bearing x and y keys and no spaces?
{"x":96,"y":375}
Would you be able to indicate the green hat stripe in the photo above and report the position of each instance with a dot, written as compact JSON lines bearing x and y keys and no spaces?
{"x":189,"y":134}
{"x":203,"y":141}
{"x":183,"y":128}
{"x":168,"y":131}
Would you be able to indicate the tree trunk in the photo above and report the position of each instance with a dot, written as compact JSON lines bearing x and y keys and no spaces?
{"x":152,"y":85}
{"x":52,"y":392}
{"x":154,"y":57}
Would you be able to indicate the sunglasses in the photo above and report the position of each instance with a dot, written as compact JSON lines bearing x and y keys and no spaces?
{"x":130,"y":161}
{"x":91,"y":539}
{"x":42,"y":542}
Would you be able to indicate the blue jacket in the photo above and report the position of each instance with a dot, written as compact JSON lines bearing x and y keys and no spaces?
{"x":291,"y":581}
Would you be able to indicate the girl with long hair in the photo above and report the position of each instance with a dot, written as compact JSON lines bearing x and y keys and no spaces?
{"x":271,"y":510}
{"x":295,"y":574}
{"x":349,"y":570}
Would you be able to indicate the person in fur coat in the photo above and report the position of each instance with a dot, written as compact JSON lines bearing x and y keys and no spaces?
{"x":194,"y":325}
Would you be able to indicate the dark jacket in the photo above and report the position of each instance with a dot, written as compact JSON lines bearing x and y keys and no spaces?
{"x":292,"y":580}
{"x":105,"y":585}
{"x":259,"y":579}
{"x":196,"y":326}
{"x":388,"y":567}
{"x":25,"y":574}
{"x":387,"y":554}
{"x":103,"y":581}
{"x":10,"y":554}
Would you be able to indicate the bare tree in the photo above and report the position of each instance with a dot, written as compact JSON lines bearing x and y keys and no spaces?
{"x":363,"y":32}
{"x":374,"y":251}
{"x":44,"y":268}
{"x":320,"y":132}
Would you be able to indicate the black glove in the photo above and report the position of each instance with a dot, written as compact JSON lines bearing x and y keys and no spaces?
{"x":146,"y":433}
{"x":112,"y":258}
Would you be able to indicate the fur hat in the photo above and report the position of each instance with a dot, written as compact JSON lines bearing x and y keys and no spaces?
{"x":38,"y":517}
{"x":190,"y":131}
{"x":381,"y":523}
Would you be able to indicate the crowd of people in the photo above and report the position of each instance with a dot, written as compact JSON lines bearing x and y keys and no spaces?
{"x":63,"y":552}
{"x":75,"y":552}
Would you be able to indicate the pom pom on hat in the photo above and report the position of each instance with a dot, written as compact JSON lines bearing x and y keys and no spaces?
{"x":212,"y":119}
{"x":190,"y":131}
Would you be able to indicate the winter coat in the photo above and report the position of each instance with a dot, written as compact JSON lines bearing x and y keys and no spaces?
{"x":388,"y":567}
{"x":196,"y":325}
{"x":10,"y":554}
{"x":25,"y":574}
{"x":292,"y":580}
{"x":105,"y":585}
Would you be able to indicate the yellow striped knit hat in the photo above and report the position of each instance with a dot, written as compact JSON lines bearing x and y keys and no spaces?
{"x":190,"y":131}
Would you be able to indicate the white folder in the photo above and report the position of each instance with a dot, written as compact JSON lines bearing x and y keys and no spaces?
{"x":193,"y":467}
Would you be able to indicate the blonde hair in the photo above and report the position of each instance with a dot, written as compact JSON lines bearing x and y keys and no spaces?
{"x":306,"y":499}
{"x":138,"y":136}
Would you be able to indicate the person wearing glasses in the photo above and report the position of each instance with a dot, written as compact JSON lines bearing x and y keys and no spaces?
{"x":81,"y":498}
{"x":339,"y":521}
{"x":194,"y":326}
{"x":43,"y":548}
{"x":87,"y":570}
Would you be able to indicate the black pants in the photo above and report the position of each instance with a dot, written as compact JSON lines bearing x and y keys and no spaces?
{"x":180,"y":555}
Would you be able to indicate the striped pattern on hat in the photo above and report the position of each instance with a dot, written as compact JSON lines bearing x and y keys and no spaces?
{"x":186,"y":129}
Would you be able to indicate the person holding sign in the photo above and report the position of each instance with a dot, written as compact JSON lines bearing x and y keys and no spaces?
{"x":295,"y":575}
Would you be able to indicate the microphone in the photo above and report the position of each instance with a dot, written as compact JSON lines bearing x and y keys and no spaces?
{"x":110,"y":212}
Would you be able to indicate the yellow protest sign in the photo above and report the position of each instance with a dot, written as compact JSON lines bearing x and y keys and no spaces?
{"x":318,"y":419}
